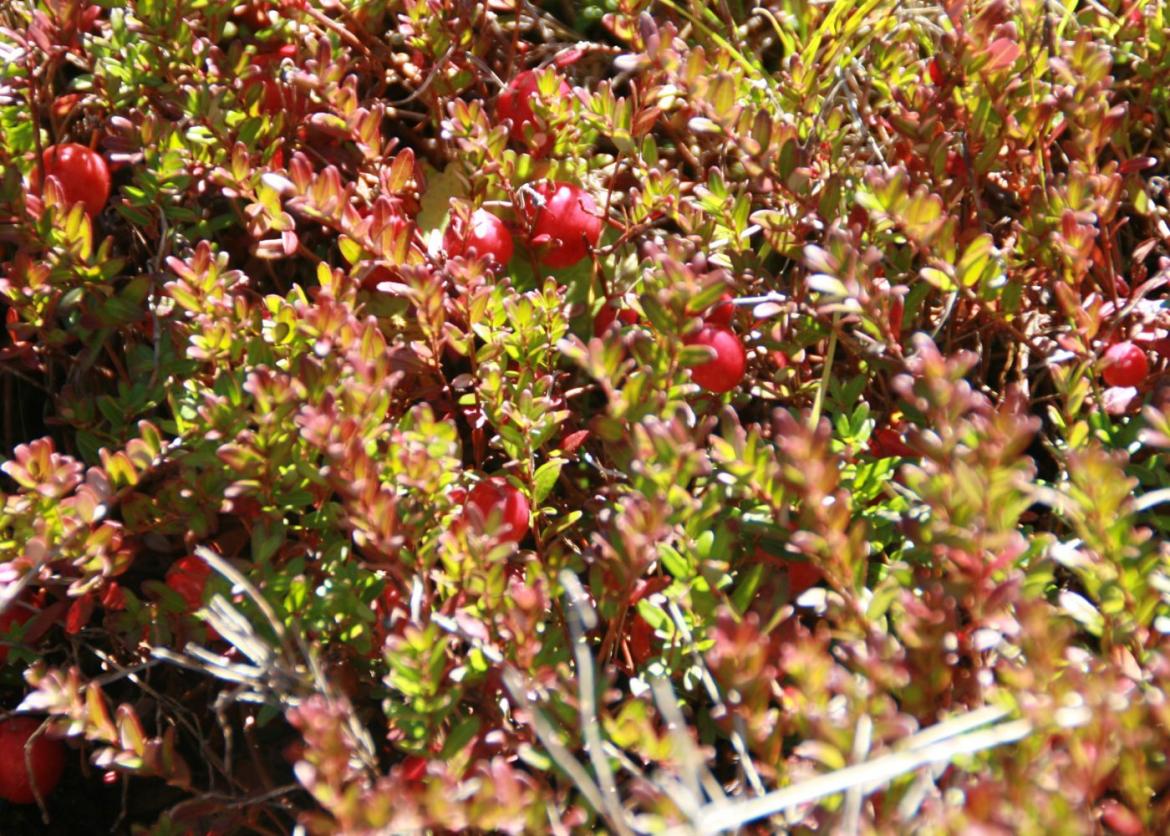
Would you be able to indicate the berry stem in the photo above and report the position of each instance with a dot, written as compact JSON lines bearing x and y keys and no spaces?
{"x":826,"y":374}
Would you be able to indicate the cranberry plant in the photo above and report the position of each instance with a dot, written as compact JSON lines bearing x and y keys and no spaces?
{"x":436,"y":414}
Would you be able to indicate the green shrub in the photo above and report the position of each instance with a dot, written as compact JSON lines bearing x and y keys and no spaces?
{"x":906,"y":573}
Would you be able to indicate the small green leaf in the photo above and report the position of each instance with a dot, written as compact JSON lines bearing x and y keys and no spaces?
{"x":545,"y":479}
{"x":267,"y":537}
{"x":459,"y":737}
{"x":746,"y":590}
{"x":351,"y":250}
{"x":674,"y":562}
{"x":937,"y":278}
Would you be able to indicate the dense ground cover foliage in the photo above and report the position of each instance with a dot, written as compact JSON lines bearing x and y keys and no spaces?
{"x":438,"y":414}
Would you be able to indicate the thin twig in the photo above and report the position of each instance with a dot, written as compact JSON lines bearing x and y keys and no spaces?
{"x":862,"y":740}
{"x":700,"y":777}
{"x":737,"y":732}
{"x":561,"y":756}
{"x":580,"y":613}
{"x":722,"y":816}
{"x":826,"y":375}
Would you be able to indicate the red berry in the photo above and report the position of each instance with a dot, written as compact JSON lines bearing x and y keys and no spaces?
{"x":275,"y":56}
{"x":722,"y":312}
{"x":376,"y":276}
{"x":82,"y":173}
{"x":515,"y":103}
{"x":608,"y":313}
{"x":935,"y":71}
{"x":1125,"y":365}
{"x":886,"y":442}
{"x":567,"y":221}
{"x":414,"y":768}
{"x":46,"y":758}
{"x":274,"y":99}
{"x":724,"y":372}
{"x":483,"y":236}
{"x":497,"y":496}
{"x":641,"y":639}
{"x":802,"y":576}
{"x":188,"y":577}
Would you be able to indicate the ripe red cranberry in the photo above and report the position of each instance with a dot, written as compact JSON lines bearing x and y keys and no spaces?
{"x":566,"y":220}
{"x":82,"y":173}
{"x":188,"y":577}
{"x":886,"y":442}
{"x":376,"y":276}
{"x":414,"y":768}
{"x":642,"y":638}
{"x":497,"y":496}
{"x":935,"y":72}
{"x":608,"y":313}
{"x":515,"y":103}
{"x":46,"y":758}
{"x":484,"y":236}
{"x":802,"y":576}
{"x":724,"y":372}
{"x":722,"y":312}
{"x":1125,"y":365}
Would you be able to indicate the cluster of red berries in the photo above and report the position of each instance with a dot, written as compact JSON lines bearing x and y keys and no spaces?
{"x":565,"y":224}
{"x":515,"y":104}
{"x":563,"y":218}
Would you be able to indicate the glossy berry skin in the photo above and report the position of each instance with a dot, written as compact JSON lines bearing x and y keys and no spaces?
{"x":483,"y":236}
{"x":47,"y":759}
{"x":725,"y":371}
{"x":497,"y":496}
{"x":608,"y":313}
{"x":567,"y":223}
{"x":801,"y":575}
{"x":886,"y":442}
{"x":1125,"y":365}
{"x":82,"y":173}
{"x":722,"y":312}
{"x":801,"y":578}
{"x":515,"y":104}
{"x":188,"y":577}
